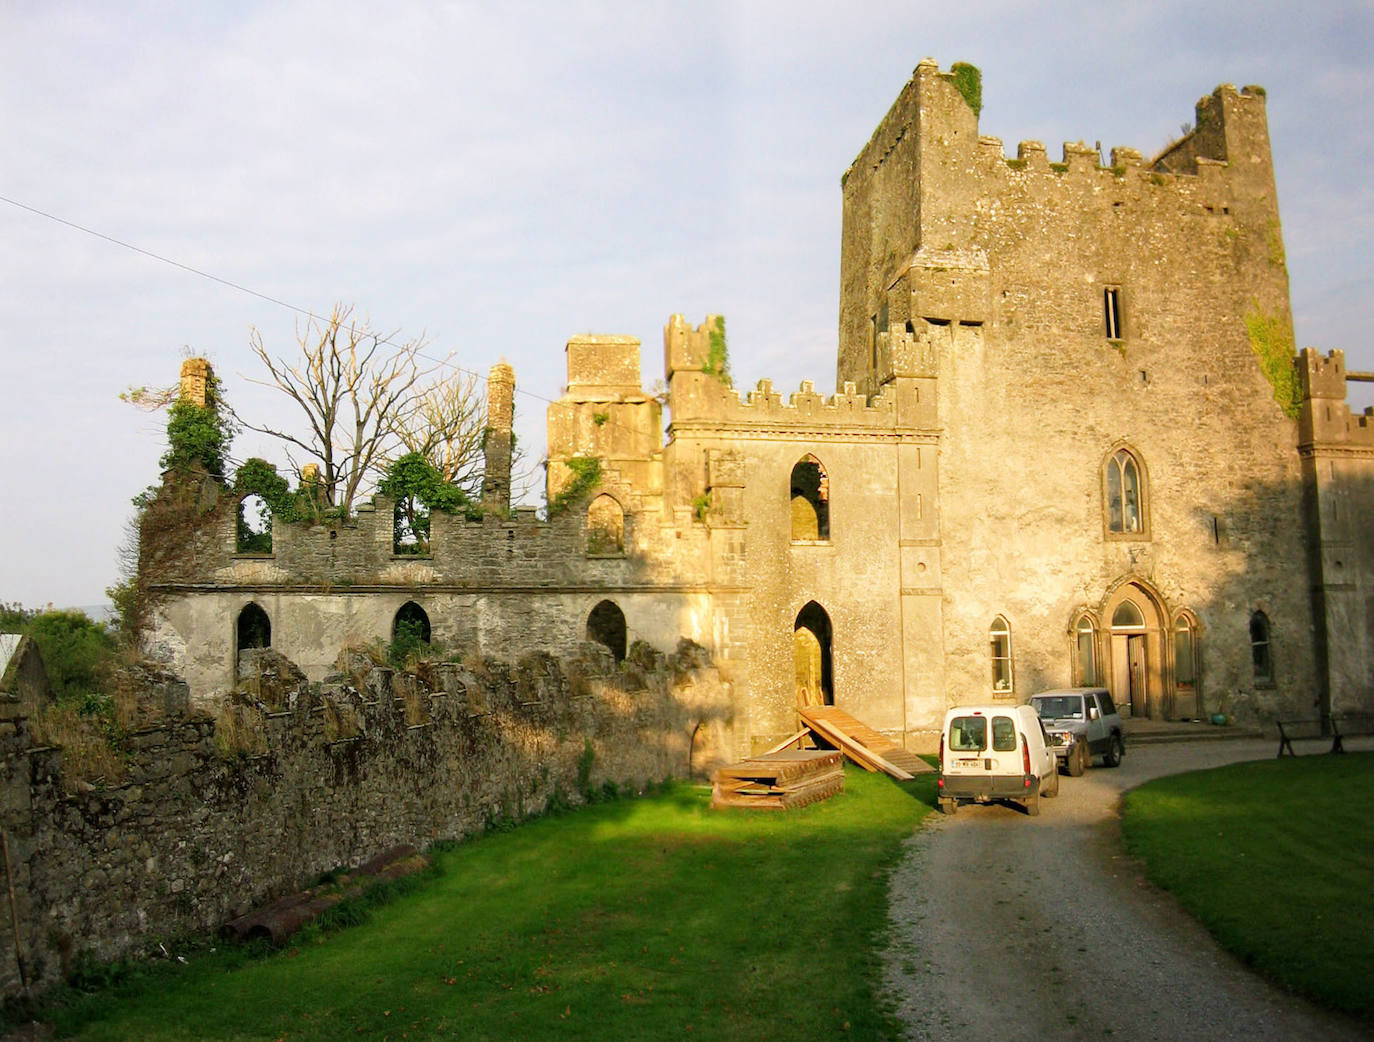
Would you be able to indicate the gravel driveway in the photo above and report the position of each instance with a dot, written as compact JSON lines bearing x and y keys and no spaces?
{"x":1010,"y":927}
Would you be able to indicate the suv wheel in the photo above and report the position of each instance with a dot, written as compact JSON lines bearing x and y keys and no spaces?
{"x":1077,"y":760}
{"x":948,"y":805}
{"x":1115,"y":751}
{"x":1033,"y":805}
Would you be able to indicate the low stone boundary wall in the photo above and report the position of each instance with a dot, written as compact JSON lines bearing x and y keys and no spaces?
{"x":197,"y":834}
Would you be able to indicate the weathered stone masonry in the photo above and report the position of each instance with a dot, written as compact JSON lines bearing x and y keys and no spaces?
{"x":193,"y":837}
{"x":1053,"y":458}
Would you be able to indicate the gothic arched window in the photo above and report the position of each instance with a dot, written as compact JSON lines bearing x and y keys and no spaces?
{"x":1124,"y":495}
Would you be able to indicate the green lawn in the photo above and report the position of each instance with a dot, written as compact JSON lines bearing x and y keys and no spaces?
{"x":1276,"y":858}
{"x":644,"y":918}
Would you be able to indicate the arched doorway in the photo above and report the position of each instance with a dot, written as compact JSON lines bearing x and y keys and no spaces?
{"x":811,"y":657}
{"x":252,"y":629}
{"x":606,"y":625}
{"x":1135,"y":673}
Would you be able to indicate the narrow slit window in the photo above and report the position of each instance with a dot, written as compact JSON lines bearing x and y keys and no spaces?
{"x":1111,"y":307}
{"x":1260,"y":651}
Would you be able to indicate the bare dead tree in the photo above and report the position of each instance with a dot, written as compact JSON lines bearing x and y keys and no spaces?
{"x":446,"y":428}
{"x":357,"y":389}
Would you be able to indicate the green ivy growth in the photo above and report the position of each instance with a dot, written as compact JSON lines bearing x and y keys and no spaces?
{"x":718,"y":357}
{"x":1272,"y":342}
{"x":418,"y":489}
{"x":198,"y":436}
{"x":701,"y":506}
{"x":968,"y":81}
{"x":586,"y":472}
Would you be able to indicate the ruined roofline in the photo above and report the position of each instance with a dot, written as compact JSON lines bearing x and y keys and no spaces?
{"x":1076,"y":155}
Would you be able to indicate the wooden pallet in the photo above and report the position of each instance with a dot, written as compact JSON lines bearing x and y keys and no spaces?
{"x":865,"y":746}
{"x":778,"y":781}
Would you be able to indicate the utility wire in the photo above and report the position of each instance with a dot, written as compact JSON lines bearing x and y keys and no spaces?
{"x":314,"y":316}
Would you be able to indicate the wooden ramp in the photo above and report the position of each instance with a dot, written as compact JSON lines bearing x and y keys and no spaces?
{"x":865,"y":746}
{"x":778,"y":781}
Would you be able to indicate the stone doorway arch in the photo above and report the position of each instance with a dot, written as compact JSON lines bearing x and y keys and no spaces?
{"x":811,"y":656}
{"x":1135,"y":618}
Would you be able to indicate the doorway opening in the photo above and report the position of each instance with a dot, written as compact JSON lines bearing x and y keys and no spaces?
{"x":815,"y":685}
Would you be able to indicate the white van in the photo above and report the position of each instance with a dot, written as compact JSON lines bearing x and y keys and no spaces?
{"x":995,"y":752}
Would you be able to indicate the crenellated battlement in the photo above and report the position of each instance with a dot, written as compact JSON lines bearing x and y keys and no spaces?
{"x":1326,"y":422}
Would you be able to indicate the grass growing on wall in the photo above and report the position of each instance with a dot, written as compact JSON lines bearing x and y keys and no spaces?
{"x":968,"y":81}
{"x":1273,"y":857}
{"x":1272,"y":343}
{"x":644,"y":918}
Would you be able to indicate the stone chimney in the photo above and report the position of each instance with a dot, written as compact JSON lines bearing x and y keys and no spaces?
{"x":195,"y":381}
{"x":498,"y":441}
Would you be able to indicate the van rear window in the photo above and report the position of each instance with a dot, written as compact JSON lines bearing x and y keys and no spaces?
{"x":1003,"y":734}
{"x":968,"y":734}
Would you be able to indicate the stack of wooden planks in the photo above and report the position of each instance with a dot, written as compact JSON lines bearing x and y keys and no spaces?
{"x":778,"y":781}
{"x":865,"y":746}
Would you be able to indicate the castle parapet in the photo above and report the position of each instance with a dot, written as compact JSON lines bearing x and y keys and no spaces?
{"x":1326,"y":421}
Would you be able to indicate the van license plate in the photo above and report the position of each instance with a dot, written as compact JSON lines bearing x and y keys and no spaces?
{"x":969,"y":763}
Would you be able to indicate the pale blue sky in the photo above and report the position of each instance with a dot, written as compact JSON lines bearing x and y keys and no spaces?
{"x":503,"y":176}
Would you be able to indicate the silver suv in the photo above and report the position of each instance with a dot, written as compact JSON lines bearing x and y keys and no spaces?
{"x":1082,"y":723}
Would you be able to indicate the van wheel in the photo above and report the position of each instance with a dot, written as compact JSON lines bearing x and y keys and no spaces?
{"x":1077,"y":760}
{"x":1115,"y":751}
{"x":1033,"y":805}
{"x":948,"y":805}
{"x":1053,"y":789}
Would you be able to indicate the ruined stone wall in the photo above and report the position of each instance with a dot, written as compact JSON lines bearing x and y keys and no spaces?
{"x":500,"y":586}
{"x":194,"y":836}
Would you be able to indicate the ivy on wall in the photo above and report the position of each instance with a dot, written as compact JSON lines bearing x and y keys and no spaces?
{"x":586,"y":471}
{"x":1272,"y":343}
{"x":199,"y":435}
{"x":718,"y":355}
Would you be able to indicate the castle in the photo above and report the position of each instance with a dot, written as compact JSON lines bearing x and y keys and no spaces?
{"x":1071,"y":444}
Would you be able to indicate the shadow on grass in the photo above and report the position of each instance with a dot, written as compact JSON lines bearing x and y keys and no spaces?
{"x":619,"y":920}
{"x":1245,"y":846}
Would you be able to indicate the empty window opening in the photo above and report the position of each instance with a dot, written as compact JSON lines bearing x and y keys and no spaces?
{"x":810,"y":501}
{"x":409,"y":629}
{"x":1125,"y":494}
{"x":606,"y":626}
{"x":999,"y":641}
{"x":254,"y":526}
{"x":252,"y":629}
{"x":1185,"y":652}
{"x":1085,"y":639}
{"x":410,"y":527}
{"x":811,"y":636}
{"x":605,"y":527}
{"x":1260,"y":651}
{"x":1111,"y":306}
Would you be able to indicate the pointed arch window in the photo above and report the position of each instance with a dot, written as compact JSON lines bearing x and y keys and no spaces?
{"x":1124,"y":496}
{"x":1185,"y":652}
{"x":605,"y":527}
{"x":410,"y":627}
{"x":252,"y":629}
{"x":1261,"y":652}
{"x":1085,"y":651}
{"x":810,"y":501}
{"x":999,"y":644}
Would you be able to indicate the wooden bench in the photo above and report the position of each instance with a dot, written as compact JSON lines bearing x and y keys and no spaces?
{"x":1336,"y":726}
